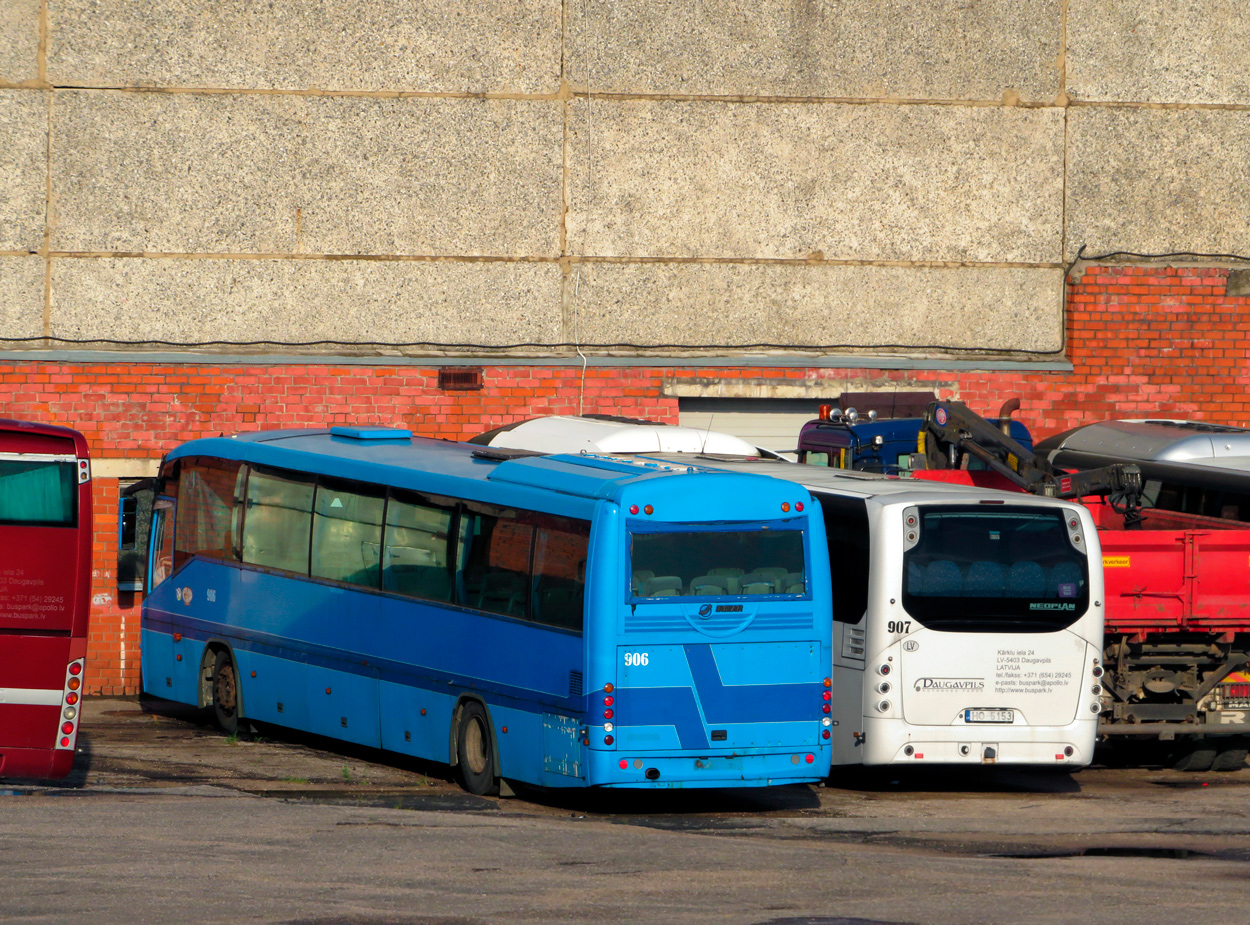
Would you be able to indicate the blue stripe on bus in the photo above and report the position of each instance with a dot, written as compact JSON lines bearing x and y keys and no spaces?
{"x":669,"y":706}
{"x":382,"y":669}
{"x":749,"y":703}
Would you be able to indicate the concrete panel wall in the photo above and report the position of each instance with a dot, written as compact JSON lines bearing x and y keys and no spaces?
{"x":1156,"y":181}
{"x":785,"y":180}
{"x":357,"y":301}
{"x":228,"y":173}
{"x":572,"y":171}
{"x":23,"y":169}
{"x":833,"y":307}
{"x":19,"y":41}
{"x":21,"y":297}
{"x":863,"y":49}
{"x":1159,"y":52}
{"x":488,"y":47}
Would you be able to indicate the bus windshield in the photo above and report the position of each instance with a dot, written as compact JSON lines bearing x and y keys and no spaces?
{"x":968,"y":569}
{"x":701,"y":562}
{"x":38,"y":493}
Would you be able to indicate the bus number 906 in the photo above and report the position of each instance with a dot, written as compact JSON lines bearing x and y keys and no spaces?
{"x":898,"y":626}
{"x":636,"y":658}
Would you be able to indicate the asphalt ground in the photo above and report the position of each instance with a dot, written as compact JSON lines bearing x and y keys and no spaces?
{"x":166,"y":819}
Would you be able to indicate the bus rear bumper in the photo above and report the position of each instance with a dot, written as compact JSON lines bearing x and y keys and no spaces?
{"x":661,"y":772}
{"x":896,"y":743}
{"x":35,"y":763}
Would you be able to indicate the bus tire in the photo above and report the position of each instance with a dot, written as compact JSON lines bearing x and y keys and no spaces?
{"x":226,"y":693}
{"x":475,"y":751}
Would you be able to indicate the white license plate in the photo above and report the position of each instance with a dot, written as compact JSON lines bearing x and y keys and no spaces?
{"x":989,"y":716}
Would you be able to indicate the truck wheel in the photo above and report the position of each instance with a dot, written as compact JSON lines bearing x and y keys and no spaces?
{"x":475,"y":751}
{"x":1198,"y":757}
{"x":226,"y":693}
{"x":1232,"y":756}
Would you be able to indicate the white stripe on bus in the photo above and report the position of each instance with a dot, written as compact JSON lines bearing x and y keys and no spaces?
{"x":30,"y":696}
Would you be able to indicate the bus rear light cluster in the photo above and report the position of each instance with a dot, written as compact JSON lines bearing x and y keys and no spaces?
{"x":69,"y":705}
{"x":826,"y":696}
{"x":608,"y":701}
{"x":646,"y":509}
{"x":785,"y":506}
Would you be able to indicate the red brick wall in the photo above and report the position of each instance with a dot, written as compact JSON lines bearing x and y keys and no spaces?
{"x":1153,"y":340}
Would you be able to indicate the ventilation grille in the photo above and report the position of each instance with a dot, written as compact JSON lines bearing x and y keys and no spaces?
{"x":460,"y":379}
{"x":718,"y":625}
{"x":575,"y":683}
{"x":853,"y":642}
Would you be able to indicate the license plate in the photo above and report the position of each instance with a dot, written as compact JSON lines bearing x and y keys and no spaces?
{"x":989,"y":716}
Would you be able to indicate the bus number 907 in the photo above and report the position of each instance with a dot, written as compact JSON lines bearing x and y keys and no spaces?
{"x":898,"y":626}
{"x":636,"y":658}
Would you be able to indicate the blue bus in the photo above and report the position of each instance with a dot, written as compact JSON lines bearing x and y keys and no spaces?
{"x":561,"y":621}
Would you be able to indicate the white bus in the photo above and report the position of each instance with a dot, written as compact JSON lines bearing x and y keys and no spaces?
{"x":968,"y":622}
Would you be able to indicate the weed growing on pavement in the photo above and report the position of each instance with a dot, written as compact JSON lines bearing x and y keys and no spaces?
{"x":347,"y":773}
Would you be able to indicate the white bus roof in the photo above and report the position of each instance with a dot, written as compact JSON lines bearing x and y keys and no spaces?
{"x":570,"y":434}
{"x":862,"y":484}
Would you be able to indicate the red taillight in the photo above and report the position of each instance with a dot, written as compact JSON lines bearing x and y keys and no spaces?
{"x":608,"y":701}
{"x":811,"y":759}
{"x":825,"y":708}
{"x":798,"y":505}
{"x":825,"y":734}
{"x":608,"y":714}
{"x":65,"y":742}
{"x":75,"y":668}
{"x":624,"y":763}
{"x":884,"y":669}
{"x":608,"y":740}
{"x":633,"y":509}
{"x":66,"y":728}
{"x":71,"y":698}
{"x":1240,"y":691}
{"x":827,"y":696}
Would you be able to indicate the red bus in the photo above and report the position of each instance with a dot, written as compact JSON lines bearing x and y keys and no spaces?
{"x":45,"y":595}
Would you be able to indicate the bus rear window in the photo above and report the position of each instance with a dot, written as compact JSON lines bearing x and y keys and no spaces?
{"x":38,"y":493}
{"x":717,"y":563}
{"x":973,"y":570}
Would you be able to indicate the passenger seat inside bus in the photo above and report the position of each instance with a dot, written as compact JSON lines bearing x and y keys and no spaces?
{"x":984,"y":579}
{"x":663,"y":586}
{"x":1026,"y":579}
{"x":714,"y":585}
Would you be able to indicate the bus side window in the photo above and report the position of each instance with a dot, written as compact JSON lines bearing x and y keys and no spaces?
{"x":206,"y":509}
{"x":559,"y":586}
{"x":495,"y":559}
{"x":278,"y":521}
{"x":163,"y":519}
{"x":414,"y":557}
{"x":346,"y":535}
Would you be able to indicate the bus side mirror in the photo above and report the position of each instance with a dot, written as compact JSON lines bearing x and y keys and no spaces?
{"x":134,"y":524}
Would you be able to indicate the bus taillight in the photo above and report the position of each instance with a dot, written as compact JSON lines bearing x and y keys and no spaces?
{"x":75,"y":668}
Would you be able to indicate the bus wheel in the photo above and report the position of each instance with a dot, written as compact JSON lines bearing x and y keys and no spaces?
{"x":1232,"y":756}
{"x":475,"y":753}
{"x":1197,"y":757}
{"x":225,"y":693}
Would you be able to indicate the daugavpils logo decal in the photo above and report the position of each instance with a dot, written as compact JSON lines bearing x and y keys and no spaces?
{"x":950,"y":684}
